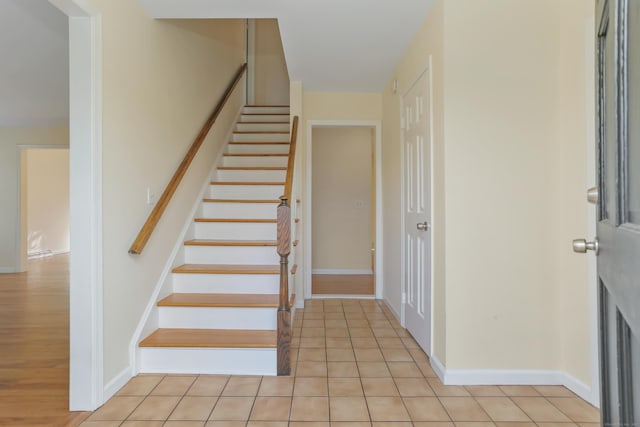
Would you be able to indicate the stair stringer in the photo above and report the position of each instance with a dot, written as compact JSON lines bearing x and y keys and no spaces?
{"x":149,"y":320}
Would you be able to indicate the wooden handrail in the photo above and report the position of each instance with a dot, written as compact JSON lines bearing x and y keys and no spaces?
{"x":154,"y":217}
{"x":284,"y":249}
{"x":288,"y":187}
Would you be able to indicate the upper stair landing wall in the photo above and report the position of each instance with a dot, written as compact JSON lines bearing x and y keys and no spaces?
{"x":268,"y":64}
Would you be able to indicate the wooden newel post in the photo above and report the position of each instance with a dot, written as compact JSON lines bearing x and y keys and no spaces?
{"x":284,"y":310}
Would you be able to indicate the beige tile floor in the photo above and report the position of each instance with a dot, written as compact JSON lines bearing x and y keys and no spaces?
{"x":352,"y":366}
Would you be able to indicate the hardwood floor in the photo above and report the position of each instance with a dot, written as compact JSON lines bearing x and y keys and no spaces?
{"x":335,"y":284}
{"x":34,"y":345}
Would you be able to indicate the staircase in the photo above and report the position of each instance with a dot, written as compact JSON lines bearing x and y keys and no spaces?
{"x":221,"y":314}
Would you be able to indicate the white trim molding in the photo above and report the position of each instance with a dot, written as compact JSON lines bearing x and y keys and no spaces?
{"x":511,"y":377}
{"x":117,"y":382}
{"x":86,"y":352}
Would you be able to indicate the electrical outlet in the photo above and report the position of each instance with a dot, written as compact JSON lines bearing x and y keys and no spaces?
{"x":359,"y":204}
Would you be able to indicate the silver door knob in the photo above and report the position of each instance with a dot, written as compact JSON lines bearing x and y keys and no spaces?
{"x":582,"y":246}
{"x":592,"y":195}
{"x":423,"y":226}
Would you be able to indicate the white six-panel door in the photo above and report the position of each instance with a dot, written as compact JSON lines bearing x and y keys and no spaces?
{"x":416,"y":146}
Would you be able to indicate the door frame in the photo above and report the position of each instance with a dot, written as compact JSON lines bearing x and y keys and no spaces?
{"x":403,"y":240}
{"x":86,"y":365}
{"x":376,"y":125}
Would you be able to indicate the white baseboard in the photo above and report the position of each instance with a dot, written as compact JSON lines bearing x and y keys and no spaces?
{"x":327,"y":271}
{"x":8,"y":270}
{"x":512,"y":377}
{"x":119,"y":381}
{"x":438,"y":367}
{"x":392,"y":309}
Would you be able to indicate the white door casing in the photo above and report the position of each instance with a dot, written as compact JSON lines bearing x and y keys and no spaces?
{"x":416,"y":210}
{"x":86,"y":382}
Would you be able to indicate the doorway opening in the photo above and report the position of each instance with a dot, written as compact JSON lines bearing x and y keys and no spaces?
{"x":343,"y":215}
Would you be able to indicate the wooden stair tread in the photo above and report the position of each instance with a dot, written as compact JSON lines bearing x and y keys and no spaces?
{"x":264,"y":123}
{"x":266,"y":114}
{"x":246,"y":183}
{"x":238,"y":220}
{"x":210,"y":242}
{"x":294,"y":269}
{"x":211,"y":338}
{"x":255,"y":155}
{"x":252,"y":168}
{"x":240,"y":201}
{"x":227,"y":269}
{"x":220,"y":300}
{"x":258,"y":143}
{"x":266,"y":132}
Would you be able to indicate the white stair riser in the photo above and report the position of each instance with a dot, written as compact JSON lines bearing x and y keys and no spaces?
{"x":226,"y":283}
{"x":239,"y":210}
{"x":265,"y":118}
{"x":258,"y":149}
{"x":260,"y":137}
{"x":263,"y":127}
{"x":235,"y":230}
{"x":265,"y":110}
{"x":246,"y":192}
{"x":252,"y":175}
{"x":238,"y":361}
{"x":255,"y":161}
{"x":218,"y":318}
{"x":231,"y":255}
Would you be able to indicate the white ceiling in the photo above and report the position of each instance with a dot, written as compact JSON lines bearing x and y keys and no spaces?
{"x":34,"y":71}
{"x":330,"y":45}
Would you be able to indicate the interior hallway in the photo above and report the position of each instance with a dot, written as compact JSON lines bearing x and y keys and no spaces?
{"x":352,"y":366}
{"x":34,"y":345}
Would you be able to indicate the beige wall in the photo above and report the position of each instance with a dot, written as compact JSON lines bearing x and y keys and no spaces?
{"x":506,"y":135}
{"x":271,"y":81}
{"x":342,"y":106}
{"x":11,"y":138}
{"x":161,"y":80}
{"x":325,"y":106}
{"x":575,"y":137}
{"x":511,"y":113}
{"x":341,"y":188}
{"x":47,"y":194}
{"x":499,"y":135}
{"x":429,"y":42}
